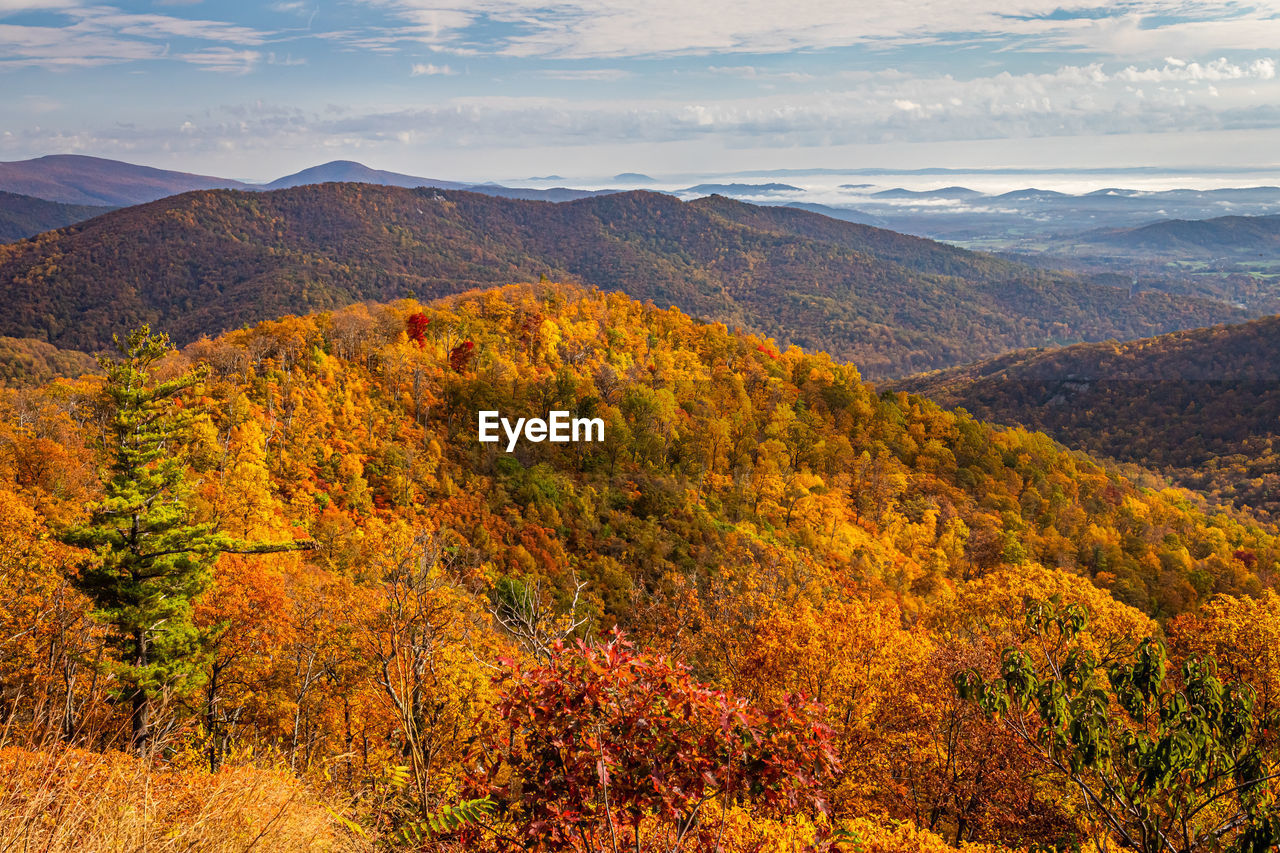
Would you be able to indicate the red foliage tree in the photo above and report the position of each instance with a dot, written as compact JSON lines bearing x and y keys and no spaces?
{"x":415,"y":326}
{"x":606,"y":748}
{"x":461,"y":355}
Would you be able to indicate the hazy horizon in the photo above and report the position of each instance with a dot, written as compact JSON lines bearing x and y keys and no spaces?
{"x":830,"y":180}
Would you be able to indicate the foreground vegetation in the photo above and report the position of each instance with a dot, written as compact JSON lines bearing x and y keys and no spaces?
{"x":330,"y":599}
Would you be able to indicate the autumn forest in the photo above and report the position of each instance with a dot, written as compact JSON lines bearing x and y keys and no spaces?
{"x":272,"y":580}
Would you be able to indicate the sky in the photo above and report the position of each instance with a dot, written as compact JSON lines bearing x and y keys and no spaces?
{"x":511,"y":89}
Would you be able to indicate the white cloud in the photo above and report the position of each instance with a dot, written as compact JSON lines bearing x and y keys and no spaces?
{"x":601,"y":74}
{"x":104,"y":19}
{"x":285,"y":59}
{"x":10,"y":7}
{"x":57,"y":47}
{"x":1084,"y":99}
{"x":429,"y":70}
{"x":617,"y":28}
{"x":1218,"y":69}
{"x":101,"y":35}
{"x":1134,"y":35}
{"x":1174,"y":96}
{"x":224,"y":59}
{"x":752,"y":72}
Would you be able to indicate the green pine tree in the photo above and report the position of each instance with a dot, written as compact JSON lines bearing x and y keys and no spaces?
{"x":153,"y":557}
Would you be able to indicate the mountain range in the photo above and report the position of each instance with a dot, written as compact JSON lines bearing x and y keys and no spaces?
{"x":80,"y":180}
{"x":948,"y":212}
{"x":77,"y":179}
{"x":207,"y":261}
{"x":1220,"y":238}
{"x":1028,"y":219}
{"x":1023,"y":220}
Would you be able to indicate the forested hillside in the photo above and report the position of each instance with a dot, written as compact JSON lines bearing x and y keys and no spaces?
{"x":382,"y":622}
{"x":27,"y":362}
{"x":211,"y":261}
{"x":1201,"y":406}
{"x":24,"y":216}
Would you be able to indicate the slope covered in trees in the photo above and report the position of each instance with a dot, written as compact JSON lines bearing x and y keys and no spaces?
{"x":1200,"y":406}
{"x":893,"y":304}
{"x":23,"y":216}
{"x":24,"y":361}
{"x":763,"y":516}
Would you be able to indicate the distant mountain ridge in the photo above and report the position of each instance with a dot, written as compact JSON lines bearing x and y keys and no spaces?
{"x":1223,"y":235}
{"x":944,"y":193}
{"x":353,"y":172}
{"x":739,"y":189}
{"x":22,"y":215}
{"x":1039,"y":220}
{"x":76,"y":179}
{"x":847,"y":214}
{"x":208,"y":261}
{"x":1018,"y":220}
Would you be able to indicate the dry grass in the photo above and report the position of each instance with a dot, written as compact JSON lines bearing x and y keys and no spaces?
{"x":87,"y":802}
